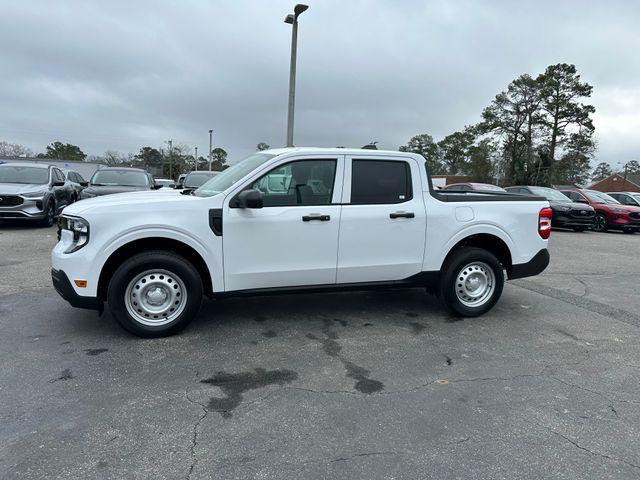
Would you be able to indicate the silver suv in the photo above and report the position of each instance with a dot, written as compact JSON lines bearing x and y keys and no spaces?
{"x":33,"y":192}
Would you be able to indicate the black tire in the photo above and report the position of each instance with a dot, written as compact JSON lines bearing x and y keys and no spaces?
{"x":600,"y":223}
{"x":157,"y":260}
{"x":579,"y":229}
{"x":50,"y":215}
{"x":450,"y":277}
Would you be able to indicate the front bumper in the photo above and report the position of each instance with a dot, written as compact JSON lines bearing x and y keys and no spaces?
{"x":570,"y":219}
{"x":63,"y":286}
{"x":28,"y":209}
{"x":533,"y":267}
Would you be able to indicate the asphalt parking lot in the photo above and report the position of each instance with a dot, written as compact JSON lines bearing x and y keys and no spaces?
{"x":353,"y":385}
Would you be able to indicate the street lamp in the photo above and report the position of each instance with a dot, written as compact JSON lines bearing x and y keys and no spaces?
{"x":196,"y":158}
{"x":292,"y":19}
{"x":210,"y":147}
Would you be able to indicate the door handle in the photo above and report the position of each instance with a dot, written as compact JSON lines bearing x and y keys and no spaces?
{"x":322,"y":218}
{"x":402,"y":215}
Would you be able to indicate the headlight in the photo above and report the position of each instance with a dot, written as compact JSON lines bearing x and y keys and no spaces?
{"x":39,"y":194}
{"x":79,"y":229}
{"x":562,"y":208}
{"x":618,"y":210}
{"x":84,"y":194}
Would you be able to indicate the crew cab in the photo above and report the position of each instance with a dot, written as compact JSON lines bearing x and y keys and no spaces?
{"x":296,"y":220}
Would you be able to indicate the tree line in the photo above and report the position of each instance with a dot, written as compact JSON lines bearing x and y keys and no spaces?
{"x":538,"y":131}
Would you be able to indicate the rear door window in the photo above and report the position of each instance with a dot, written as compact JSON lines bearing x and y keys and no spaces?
{"x":375,"y":182}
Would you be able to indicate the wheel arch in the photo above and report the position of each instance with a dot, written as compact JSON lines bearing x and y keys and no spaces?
{"x":486,"y":241}
{"x":125,"y":251}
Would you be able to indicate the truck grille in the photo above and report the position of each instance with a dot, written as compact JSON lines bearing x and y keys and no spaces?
{"x":10,"y":200}
{"x":582,"y":213}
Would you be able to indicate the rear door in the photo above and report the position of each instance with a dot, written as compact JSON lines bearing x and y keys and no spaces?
{"x":383,"y":222}
{"x":293,"y":240}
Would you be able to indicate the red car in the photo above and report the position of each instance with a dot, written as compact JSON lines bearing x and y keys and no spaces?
{"x":478,"y":187}
{"x":610,"y":214}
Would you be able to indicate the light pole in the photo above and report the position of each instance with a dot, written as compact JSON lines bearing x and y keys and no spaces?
{"x":196,"y":159}
{"x":210,"y":147}
{"x":171,"y":159}
{"x":292,"y":19}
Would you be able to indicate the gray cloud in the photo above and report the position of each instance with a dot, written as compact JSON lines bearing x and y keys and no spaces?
{"x":120,"y":75}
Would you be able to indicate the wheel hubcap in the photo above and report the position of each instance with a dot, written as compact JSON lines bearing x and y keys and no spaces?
{"x":155,"y":297}
{"x":600,"y":222}
{"x":475,"y":284}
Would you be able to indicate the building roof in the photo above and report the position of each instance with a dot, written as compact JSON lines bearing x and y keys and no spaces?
{"x":630,"y":177}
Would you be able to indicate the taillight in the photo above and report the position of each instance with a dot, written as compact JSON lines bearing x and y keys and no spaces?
{"x":544,"y":222}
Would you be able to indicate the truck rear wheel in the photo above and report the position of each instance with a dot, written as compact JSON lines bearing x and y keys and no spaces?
{"x":471,"y":282}
{"x":155,"y":294}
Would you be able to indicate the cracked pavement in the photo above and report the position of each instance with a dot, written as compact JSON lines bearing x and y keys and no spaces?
{"x":353,"y":385}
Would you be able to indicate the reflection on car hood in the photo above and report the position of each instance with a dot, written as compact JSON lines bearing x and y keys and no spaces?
{"x":142,"y":200}
{"x":110,"y":189}
{"x":18,"y":188}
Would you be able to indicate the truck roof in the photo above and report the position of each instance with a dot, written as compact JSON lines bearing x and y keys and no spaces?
{"x":336,"y":151}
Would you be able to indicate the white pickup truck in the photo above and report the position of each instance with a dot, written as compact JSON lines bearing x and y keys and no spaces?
{"x":295,"y":220}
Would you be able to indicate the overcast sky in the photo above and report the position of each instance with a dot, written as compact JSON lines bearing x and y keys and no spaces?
{"x":124,"y":74}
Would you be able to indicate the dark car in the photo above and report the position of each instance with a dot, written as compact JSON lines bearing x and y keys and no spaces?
{"x":471,"y":186}
{"x":118,"y":180}
{"x":610,"y":214}
{"x":566,"y":213}
{"x":33,"y":192}
{"x":77,"y":183}
{"x":626,"y":198}
{"x":195,"y":180}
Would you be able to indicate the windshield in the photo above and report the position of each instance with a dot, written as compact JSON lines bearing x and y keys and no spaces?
{"x":125,"y":178}
{"x":488,"y":188}
{"x":599,"y":197}
{"x":164,"y":182}
{"x":18,"y":174}
{"x":197,"y":179}
{"x":550,"y":194}
{"x":636,"y":196}
{"x":231,"y":175}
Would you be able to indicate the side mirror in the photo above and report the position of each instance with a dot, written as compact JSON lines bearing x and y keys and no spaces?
{"x":58,"y":183}
{"x":84,"y":184}
{"x":157,"y":186}
{"x":582,"y":200}
{"x":249,"y":199}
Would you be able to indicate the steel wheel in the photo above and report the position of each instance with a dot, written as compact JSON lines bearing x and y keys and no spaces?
{"x":155,"y":297}
{"x":600,"y":223}
{"x":475,"y":284}
{"x":49,"y":218}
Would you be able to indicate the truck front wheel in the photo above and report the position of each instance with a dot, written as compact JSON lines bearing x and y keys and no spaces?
{"x":471,"y":282}
{"x":155,"y":294}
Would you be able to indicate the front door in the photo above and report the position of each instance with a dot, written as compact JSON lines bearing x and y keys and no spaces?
{"x":383,"y":222}
{"x":293,"y":240}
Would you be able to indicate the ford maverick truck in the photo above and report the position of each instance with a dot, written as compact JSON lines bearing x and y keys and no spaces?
{"x":296,"y":220}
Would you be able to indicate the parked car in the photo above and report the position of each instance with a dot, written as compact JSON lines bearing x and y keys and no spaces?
{"x":349,"y":219}
{"x":566,"y":214}
{"x":196,"y":179}
{"x":626,"y":198}
{"x":478,"y":187}
{"x":77,"y":182}
{"x":180,"y":182}
{"x":163,"y":183}
{"x":118,"y":180}
{"x":33,"y":192}
{"x":610,"y":214}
